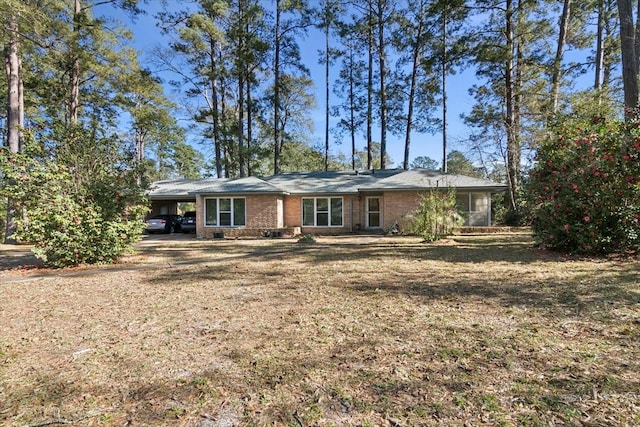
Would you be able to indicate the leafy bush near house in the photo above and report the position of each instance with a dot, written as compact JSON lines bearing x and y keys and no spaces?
{"x":585,"y":188}
{"x":436,"y":216}
{"x":69,"y":222}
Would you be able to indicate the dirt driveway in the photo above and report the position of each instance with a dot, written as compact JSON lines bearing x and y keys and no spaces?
{"x":20,"y":258}
{"x":12,"y":256}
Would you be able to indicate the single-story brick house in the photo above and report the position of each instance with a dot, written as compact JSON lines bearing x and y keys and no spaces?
{"x":317,"y":202}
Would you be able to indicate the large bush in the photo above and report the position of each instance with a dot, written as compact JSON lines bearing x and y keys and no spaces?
{"x":67,"y":221}
{"x":585,"y":188}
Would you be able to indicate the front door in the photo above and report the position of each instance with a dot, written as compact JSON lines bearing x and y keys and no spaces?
{"x":373,"y":213}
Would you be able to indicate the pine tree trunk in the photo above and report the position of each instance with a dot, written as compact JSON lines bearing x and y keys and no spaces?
{"x":241,"y":101}
{"x":248,"y":72}
{"x":370,"y":87}
{"x":276,"y":94}
{"x":74,"y":84}
{"x":557,"y":63}
{"x":444,"y":91}
{"x":513,"y":146}
{"x":243,"y":171}
{"x":636,"y":49}
{"x":599,"y":57}
{"x":215,"y":108}
{"x":412,"y":94}
{"x":326,"y":105}
{"x":249,"y":125}
{"x":14,"y":103}
{"x":225,"y":145}
{"x":352,"y":109}
{"x":383,"y":88}
{"x":629,"y":60}
{"x":140,"y":146}
{"x":15,"y":113}
{"x":611,"y":28}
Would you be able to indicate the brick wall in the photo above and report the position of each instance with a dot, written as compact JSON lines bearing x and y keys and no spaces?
{"x":351,"y":215}
{"x":293,"y":211}
{"x":396,"y":205}
{"x":263,"y":212}
{"x":275,"y":212}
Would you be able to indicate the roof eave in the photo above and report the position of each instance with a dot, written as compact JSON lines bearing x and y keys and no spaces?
{"x":178,"y":197}
{"x":493,"y":189}
{"x":239,"y":193}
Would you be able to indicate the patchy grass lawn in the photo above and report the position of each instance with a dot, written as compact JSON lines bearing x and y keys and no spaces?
{"x":477,"y":330}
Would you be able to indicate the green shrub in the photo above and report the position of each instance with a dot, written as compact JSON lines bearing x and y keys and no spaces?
{"x":68,"y":223}
{"x":307,"y":238}
{"x":585,"y":189}
{"x":436,"y":216}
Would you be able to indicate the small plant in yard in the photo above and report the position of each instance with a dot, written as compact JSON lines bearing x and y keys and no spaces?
{"x":585,"y":188}
{"x":436,"y":216}
{"x":307,"y":238}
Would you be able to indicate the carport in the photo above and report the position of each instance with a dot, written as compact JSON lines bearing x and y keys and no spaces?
{"x":168,"y":206}
{"x":166,"y":195}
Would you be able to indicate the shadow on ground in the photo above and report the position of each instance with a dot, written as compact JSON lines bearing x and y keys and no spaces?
{"x":14,"y":257}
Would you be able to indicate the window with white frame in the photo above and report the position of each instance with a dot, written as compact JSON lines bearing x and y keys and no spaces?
{"x":225,"y":212}
{"x":322,"y":212}
{"x":373,"y":212}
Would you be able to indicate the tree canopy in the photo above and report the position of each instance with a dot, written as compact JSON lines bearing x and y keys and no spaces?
{"x":229,"y":90}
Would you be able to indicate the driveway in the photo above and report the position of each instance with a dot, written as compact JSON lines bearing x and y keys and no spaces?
{"x":155,"y":239}
{"x":16,"y":256}
{"x":13,"y":257}
{"x":20,"y":256}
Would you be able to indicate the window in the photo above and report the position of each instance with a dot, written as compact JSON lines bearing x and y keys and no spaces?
{"x":373,"y":212}
{"x":462,"y":201}
{"x":478,"y":202}
{"x":471,"y":202}
{"x":322,"y":212}
{"x":224,"y":212}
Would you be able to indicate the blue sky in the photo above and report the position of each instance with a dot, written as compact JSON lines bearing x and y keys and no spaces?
{"x":147,"y":36}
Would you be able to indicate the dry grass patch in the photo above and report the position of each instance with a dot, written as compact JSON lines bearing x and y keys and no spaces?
{"x":482,"y":330}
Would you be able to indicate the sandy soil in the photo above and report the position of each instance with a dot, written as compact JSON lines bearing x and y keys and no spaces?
{"x":372,"y":331}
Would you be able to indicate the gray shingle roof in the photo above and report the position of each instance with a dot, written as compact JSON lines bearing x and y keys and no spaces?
{"x":420,"y":179}
{"x":308,"y":183}
{"x":178,"y":188}
{"x":188,"y":188}
{"x":245,"y":185}
{"x":346,"y":182}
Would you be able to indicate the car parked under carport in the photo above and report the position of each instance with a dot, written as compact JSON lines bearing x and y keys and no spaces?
{"x":189,"y":222}
{"x":164,"y":224}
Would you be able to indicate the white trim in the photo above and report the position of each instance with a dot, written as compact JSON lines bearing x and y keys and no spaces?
{"x":328,"y":212}
{"x":367,"y":212}
{"x":232,"y":212}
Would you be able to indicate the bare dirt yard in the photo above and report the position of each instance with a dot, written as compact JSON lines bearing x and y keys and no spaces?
{"x":473,"y":331}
